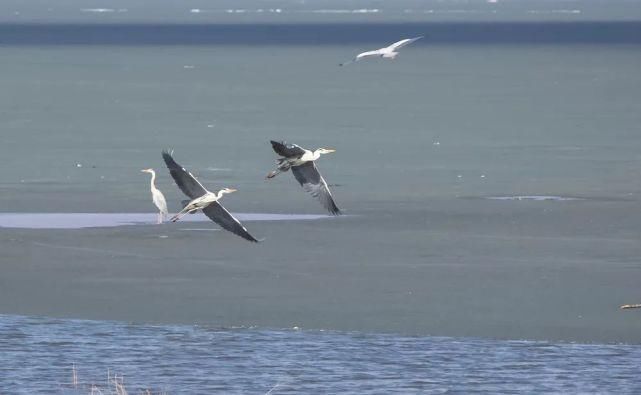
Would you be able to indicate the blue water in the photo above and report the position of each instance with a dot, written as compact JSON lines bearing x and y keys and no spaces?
{"x":39,"y":355}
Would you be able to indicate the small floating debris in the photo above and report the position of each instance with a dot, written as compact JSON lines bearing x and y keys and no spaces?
{"x":79,"y":165}
{"x":630,"y":306}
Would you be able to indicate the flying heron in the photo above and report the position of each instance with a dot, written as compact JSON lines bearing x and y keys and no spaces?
{"x":301,"y":161}
{"x":204,"y":200}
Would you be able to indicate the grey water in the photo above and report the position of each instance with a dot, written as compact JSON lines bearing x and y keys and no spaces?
{"x":490,"y":177}
{"x":39,"y":355}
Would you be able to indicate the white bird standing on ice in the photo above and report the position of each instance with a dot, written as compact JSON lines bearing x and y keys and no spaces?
{"x":157,"y":196}
{"x":386,"y":52}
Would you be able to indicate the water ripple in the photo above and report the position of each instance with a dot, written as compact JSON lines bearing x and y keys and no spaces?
{"x":38,"y":355}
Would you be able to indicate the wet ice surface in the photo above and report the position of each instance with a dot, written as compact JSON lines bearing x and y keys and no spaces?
{"x":104,"y":220}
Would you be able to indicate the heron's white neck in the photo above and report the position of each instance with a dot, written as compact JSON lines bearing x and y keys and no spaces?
{"x":220,"y":194}
{"x":153,"y":179}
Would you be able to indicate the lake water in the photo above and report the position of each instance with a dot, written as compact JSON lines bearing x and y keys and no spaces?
{"x":490,"y":177}
{"x":39,"y":355}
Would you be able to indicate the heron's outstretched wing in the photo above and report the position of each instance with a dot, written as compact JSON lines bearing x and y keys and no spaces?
{"x":400,"y":44}
{"x":184,"y":179}
{"x":287,"y":150}
{"x":222,"y":217}
{"x":311,"y":180}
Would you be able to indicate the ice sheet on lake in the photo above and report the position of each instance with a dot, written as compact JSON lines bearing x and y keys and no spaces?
{"x":102,"y":220}
{"x":535,"y":197}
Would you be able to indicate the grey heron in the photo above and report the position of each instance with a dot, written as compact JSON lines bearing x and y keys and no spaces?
{"x":157,"y":196}
{"x":389,"y":52}
{"x":204,"y":200}
{"x":301,"y":162}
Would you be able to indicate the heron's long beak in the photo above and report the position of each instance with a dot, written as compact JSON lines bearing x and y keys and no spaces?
{"x":145,"y":170}
{"x":232,"y":189}
{"x":330,"y":150}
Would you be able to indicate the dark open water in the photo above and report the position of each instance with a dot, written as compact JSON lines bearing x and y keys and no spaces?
{"x":38,"y":355}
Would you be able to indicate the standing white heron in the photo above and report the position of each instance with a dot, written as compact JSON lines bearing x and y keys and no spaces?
{"x":389,"y":52}
{"x":202,"y":199}
{"x":157,"y":196}
{"x":301,"y":161}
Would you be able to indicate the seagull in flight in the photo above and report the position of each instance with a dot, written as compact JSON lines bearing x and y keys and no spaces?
{"x":301,"y":162}
{"x":204,"y":200}
{"x":389,"y":52}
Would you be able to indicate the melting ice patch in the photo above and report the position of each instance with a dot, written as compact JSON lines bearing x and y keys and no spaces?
{"x":535,"y":198}
{"x":105,"y":220}
{"x":346,"y":11}
{"x":554,"y":11}
{"x":280,"y":10}
{"x":103,"y":10}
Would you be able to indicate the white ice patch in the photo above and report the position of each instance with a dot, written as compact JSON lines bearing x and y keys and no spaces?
{"x":106,"y":220}
{"x":535,"y":198}
{"x":103,"y":10}
{"x":554,"y":11}
{"x":347,"y":11}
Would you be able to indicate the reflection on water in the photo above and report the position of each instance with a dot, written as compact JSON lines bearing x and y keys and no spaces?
{"x":103,"y":220}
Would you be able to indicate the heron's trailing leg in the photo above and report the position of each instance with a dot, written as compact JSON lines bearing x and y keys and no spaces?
{"x":283,"y":165}
{"x":273,"y":174}
{"x":182,"y":214}
{"x":160,"y":218}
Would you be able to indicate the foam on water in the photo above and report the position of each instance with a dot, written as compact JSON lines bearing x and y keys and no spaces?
{"x":104,"y":220}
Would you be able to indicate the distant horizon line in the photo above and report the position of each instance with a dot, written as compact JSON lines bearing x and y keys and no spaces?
{"x":319,"y":33}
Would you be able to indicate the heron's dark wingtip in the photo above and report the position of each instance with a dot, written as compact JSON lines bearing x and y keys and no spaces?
{"x":167,"y":154}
